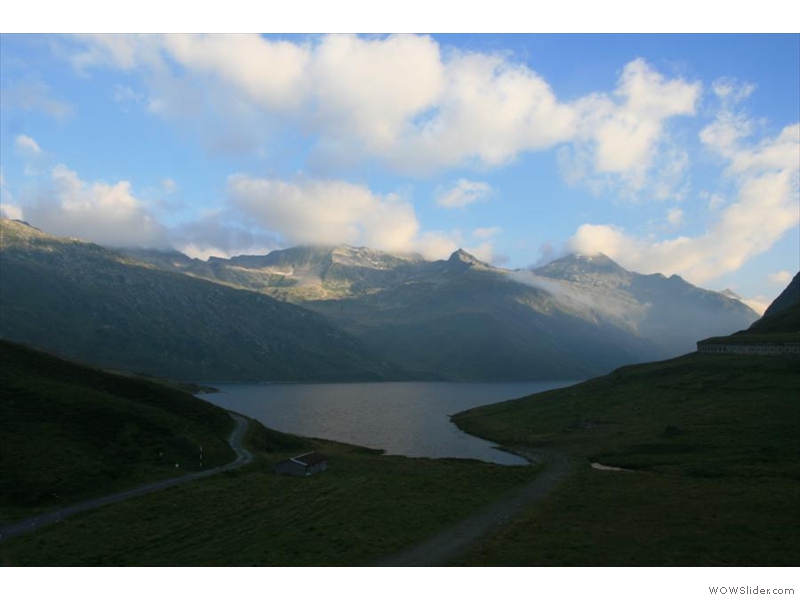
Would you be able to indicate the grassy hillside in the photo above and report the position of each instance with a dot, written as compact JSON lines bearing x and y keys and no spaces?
{"x":69,"y":432}
{"x":783,"y":315}
{"x":364,"y":507}
{"x":713,"y":445}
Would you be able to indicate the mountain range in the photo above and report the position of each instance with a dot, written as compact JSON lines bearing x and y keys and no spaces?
{"x":338,"y":312}
{"x":111,"y":310}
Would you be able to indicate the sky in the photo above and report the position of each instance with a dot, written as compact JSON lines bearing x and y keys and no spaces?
{"x":677,"y":154}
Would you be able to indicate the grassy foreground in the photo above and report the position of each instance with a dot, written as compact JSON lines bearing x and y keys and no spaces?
{"x":364,"y":507}
{"x":713,"y":444}
{"x":69,"y":432}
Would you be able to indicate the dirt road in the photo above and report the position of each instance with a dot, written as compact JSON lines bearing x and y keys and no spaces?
{"x":243,"y":457}
{"x":455,"y":540}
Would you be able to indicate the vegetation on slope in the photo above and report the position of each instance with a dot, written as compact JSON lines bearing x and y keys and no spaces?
{"x":462,"y":319}
{"x":713,"y":444}
{"x":69,"y":432}
{"x":110,"y":310}
{"x":364,"y":507}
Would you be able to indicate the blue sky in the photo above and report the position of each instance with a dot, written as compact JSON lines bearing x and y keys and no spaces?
{"x":670,"y":153}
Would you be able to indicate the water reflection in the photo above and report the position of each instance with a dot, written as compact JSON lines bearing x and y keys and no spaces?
{"x":410,"y":419}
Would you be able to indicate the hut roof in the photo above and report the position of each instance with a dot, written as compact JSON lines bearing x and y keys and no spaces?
{"x":309,"y":459}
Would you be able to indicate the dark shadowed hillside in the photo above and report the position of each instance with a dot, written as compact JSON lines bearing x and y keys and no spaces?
{"x":105,"y":308}
{"x":464,"y":319}
{"x":783,"y":315}
{"x":69,"y":432}
{"x":710,"y":448}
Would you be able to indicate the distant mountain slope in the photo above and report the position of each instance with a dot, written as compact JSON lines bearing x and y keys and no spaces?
{"x":464,"y":319}
{"x":108,"y":309}
{"x":783,"y":315}
{"x":299,"y":274}
{"x":666,"y":310}
{"x":70,"y":432}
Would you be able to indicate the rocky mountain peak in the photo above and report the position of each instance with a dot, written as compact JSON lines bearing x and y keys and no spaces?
{"x":463,"y":257}
{"x":584,"y":268}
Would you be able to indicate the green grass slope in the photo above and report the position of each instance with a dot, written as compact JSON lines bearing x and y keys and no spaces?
{"x":69,"y":432}
{"x":713,"y":445}
{"x":364,"y":507}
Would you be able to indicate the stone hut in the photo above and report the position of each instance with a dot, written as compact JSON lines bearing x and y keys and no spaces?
{"x":304,"y":465}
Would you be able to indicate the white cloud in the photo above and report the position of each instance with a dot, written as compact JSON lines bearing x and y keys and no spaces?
{"x":436,"y":244}
{"x":368,"y":90}
{"x":401,"y":99}
{"x":99,"y":212}
{"x":487,"y":232}
{"x":675,"y":216}
{"x":325,"y":212}
{"x":731,"y":91}
{"x":168,"y":185}
{"x":491,"y":110}
{"x":715,"y":200}
{"x":620,"y":136}
{"x":462,"y":193}
{"x":781,"y":277}
{"x":126,"y":96}
{"x":26,"y":146}
{"x":333,"y":212}
{"x":269,"y":73}
{"x":34,"y":157}
{"x":758,"y":304}
{"x":10,"y":211}
{"x":7,"y":209}
{"x":780,"y":154}
{"x":764,"y":209}
{"x":219,"y":233}
{"x":33,"y":95}
{"x":483,"y":251}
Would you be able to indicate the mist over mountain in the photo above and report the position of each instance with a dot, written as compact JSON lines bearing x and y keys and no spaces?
{"x":464,"y":319}
{"x":115,"y":311}
{"x":669,"y":311}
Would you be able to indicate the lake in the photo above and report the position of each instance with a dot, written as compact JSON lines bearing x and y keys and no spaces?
{"x":408,"y":418}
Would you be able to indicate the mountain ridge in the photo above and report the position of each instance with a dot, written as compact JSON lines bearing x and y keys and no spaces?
{"x":427,"y":315}
{"x":113,"y":310}
{"x":461,"y":318}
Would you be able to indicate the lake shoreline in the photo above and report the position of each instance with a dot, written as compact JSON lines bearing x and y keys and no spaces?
{"x":402,"y":418}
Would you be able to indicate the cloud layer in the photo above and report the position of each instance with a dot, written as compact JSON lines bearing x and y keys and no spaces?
{"x":462,"y":193}
{"x":108,"y":214}
{"x":418,"y":108}
{"x":766,"y":175}
{"x":402,"y":99}
{"x":335,"y":212}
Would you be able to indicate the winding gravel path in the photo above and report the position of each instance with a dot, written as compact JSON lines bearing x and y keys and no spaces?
{"x":243,"y":457}
{"x":455,"y":540}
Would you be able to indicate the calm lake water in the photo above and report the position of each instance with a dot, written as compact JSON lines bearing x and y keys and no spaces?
{"x":411,"y":419}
